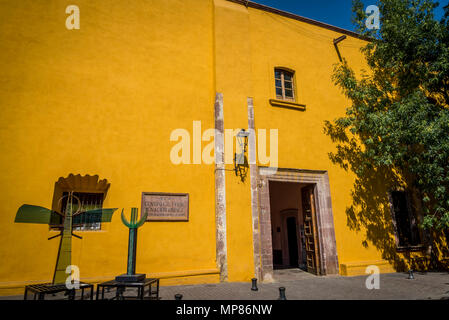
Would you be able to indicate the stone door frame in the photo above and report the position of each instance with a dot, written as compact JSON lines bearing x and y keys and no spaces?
{"x":325,"y":221}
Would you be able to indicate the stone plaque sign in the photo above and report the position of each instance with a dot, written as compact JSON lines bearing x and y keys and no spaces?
{"x":165,"y":206}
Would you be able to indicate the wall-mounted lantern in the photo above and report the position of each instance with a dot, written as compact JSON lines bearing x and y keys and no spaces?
{"x":240,"y":159}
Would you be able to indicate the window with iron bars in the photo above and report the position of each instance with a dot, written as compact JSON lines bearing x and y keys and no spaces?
{"x":407,"y":232}
{"x":88,"y":201}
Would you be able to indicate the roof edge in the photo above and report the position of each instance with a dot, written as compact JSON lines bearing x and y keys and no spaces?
{"x":300,"y":18}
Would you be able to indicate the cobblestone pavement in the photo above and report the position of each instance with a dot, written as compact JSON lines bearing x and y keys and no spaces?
{"x":305,"y":286}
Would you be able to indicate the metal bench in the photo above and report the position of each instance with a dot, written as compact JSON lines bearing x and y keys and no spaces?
{"x":40,"y":290}
{"x":121,"y":287}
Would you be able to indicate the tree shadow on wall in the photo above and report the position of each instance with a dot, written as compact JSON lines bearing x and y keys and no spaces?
{"x":370,"y":210}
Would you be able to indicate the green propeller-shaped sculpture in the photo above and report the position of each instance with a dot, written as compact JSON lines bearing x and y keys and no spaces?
{"x":35,"y":214}
{"x":133,"y":224}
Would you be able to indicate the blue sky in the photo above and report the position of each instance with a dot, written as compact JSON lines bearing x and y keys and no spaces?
{"x":334,"y":12}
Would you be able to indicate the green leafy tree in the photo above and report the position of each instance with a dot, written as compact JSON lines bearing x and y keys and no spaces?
{"x":398,"y":120}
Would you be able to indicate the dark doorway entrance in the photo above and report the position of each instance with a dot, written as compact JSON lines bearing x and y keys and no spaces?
{"x":292,"y":241}
{"x":281,"y":196}
{"x":287,"y":223}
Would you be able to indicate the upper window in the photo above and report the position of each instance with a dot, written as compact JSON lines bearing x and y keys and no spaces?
{"x":407,"y":233}
{"x":285,"y":87}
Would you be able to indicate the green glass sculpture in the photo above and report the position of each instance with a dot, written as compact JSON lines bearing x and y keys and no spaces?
{"x":35,"y":214}
{"x":133,"y":225}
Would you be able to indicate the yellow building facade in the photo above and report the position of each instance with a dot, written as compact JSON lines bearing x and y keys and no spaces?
{"x":103,"y":101}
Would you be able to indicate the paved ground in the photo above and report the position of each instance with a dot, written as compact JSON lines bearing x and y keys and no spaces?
{"x":304,"y":286}
{"x":301,"y":285}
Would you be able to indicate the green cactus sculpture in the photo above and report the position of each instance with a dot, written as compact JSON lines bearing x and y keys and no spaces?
{"x":133,"y":224}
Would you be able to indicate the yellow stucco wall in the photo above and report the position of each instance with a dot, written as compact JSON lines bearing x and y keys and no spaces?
{"x":104,"y":99}
{"x":256,"y":42}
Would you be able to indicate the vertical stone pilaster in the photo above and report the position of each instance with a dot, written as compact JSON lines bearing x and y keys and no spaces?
{"x":326,"y":223}
{"x":220,"y":190}
{"x":265,"y":244}
{"x":254,"y":191}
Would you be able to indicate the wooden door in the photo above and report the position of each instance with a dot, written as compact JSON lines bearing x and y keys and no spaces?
{"x":310,"y":230}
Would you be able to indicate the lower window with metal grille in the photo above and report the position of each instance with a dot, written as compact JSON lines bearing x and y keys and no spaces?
{"x":88,"y":201}
{"x":407,"y":232}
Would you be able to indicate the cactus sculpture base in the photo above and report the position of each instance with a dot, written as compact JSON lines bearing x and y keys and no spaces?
{"x":130,"y":277}
{"x":133,"y":224}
